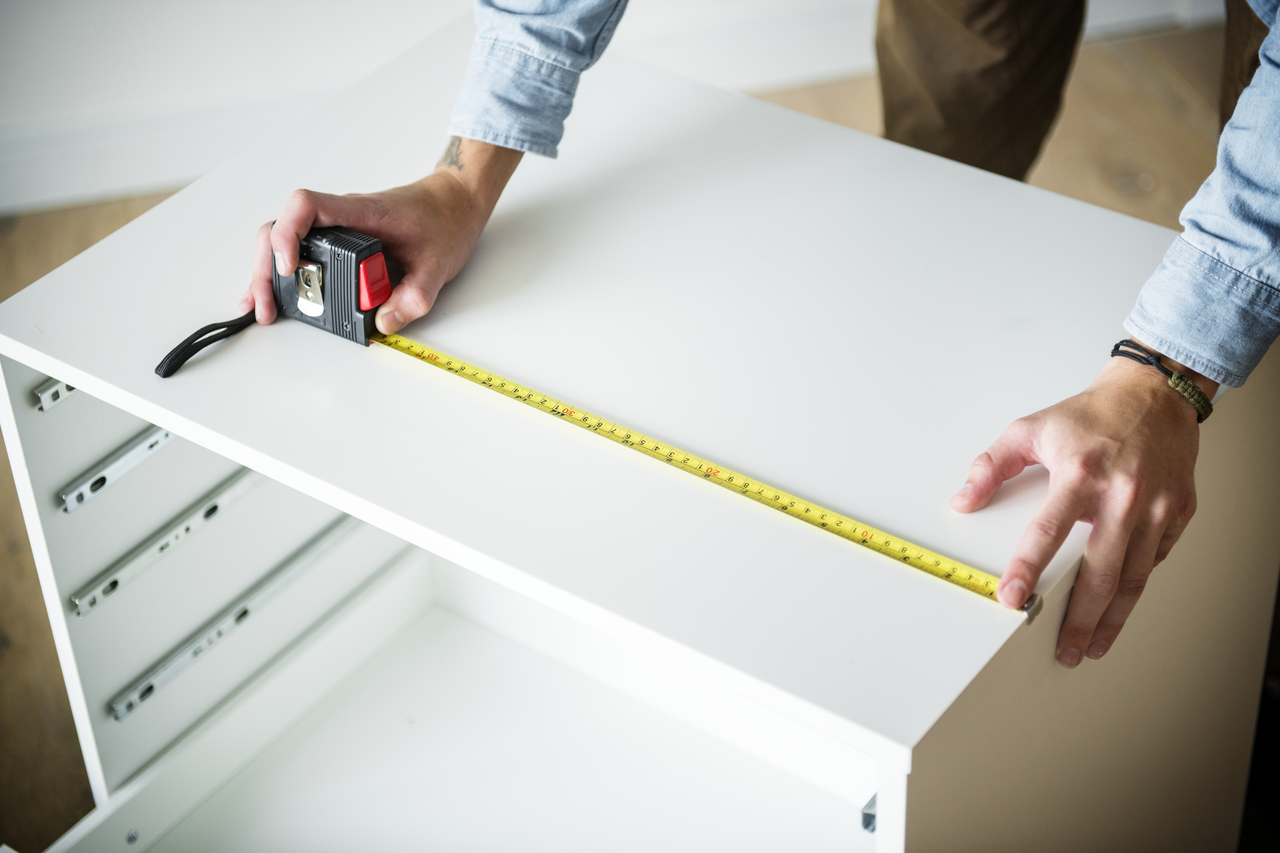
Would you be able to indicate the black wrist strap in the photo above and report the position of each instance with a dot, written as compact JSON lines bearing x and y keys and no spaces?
{"x":1177,"y":381}
{"x":214,"y":331}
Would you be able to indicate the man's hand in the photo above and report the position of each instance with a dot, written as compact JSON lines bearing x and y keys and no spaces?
{"x":1121,"y":456}
{"x":430,"y":227}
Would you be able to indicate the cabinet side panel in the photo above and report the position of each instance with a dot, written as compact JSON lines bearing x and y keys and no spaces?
{"x":305,"y":674}
{"x":15,"y":396}
{"x":1147,"y":749}
{"x":121,"y":641}
{"x":781,"y":741}
{"x":128,"y":744}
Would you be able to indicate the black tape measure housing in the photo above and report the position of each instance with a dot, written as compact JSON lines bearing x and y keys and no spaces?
{"x":340,"y":281}
{"x":325,"y":289}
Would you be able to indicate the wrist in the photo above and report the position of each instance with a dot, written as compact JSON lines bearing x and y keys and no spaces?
{"x":1158,"y":382}
{"x":481,"y":168}
{"x":1204,"y":383}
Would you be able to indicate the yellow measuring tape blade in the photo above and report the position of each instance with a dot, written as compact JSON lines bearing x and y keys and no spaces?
{"x":841,"y":525}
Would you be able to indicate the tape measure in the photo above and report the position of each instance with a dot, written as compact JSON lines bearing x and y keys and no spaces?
{"x":340,"y":281}
{"x":895,"y":547}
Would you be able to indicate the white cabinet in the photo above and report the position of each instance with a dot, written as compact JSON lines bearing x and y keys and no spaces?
{"x":530,"y":638}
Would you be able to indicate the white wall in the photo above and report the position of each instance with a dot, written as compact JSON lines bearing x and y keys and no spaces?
{"x":108,"y":97}
{"x":105,"y":97}
{"x":1116,"y":16}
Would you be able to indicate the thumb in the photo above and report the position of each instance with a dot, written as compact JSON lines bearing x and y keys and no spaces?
{"x":1003,"y":460}
{"x":411,"y":299}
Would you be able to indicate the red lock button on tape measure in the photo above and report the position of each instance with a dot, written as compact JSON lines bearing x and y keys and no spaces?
{"x":375,"y":285}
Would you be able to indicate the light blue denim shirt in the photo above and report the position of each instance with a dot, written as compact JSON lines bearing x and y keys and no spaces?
{"x":524,"y":69}
{"x":1213,"y":304}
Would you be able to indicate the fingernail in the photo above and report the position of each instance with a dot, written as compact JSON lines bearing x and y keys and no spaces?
{"x":1098,"y":649}
{"x":1013,"y":594}
{"x":280,"y":267}
{"x":1070,"y":658}
{"x":390,"y":322}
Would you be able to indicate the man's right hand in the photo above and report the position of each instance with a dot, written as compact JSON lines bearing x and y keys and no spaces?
{"x":430,"y":227}
{"x":1121,"y":456}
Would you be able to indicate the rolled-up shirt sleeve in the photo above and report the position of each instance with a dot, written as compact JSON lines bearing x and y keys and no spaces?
{"x":1213,"y":304}
{"x":524,"y":69}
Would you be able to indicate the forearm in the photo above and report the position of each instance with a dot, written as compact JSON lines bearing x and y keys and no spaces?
{"x":481,"y":169}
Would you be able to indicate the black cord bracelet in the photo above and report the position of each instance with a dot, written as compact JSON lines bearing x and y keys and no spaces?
{"x":1177,"y":381}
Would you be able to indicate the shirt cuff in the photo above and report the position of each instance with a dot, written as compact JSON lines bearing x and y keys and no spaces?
{"x":512,"y":99}
{"x":1209,"y":316}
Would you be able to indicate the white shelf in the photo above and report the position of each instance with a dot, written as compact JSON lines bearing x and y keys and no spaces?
{"x":458,"y":739}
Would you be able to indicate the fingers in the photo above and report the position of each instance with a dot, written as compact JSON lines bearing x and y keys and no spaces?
{"x":1004,"y":460}
{"x":300,"y":212}
{"x":1106,"y":556}
{"x":1122,"y":457}
{"x":411,"y":299}
{"x":278,"y":245}
{"x":1148,"y":547}
{"x":304,"y":210}
{"x":1138,"y":563}
{"x":429,"y":227}
{"x":259,"y":296}
{"x":1062,"y":508}
{"x":1178,"y":523}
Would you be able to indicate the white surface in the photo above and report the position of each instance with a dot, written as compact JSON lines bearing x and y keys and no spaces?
{"x":77,"y":161}
{"x":66,"y":60}
{"x":112,"y":98}
{"x":680,"y":229}
{"x":146,"y":112}
{"x":677,"y":693}
{"x":259,"y":712}
{"x":509,"y":752}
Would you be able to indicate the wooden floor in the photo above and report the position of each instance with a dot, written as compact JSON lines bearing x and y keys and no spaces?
{"x":1137,"y":134}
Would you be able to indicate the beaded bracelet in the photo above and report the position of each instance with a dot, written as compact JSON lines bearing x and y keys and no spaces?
{"x":1177,"y":381}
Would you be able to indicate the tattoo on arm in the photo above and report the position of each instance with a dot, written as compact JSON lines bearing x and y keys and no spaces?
{"x":452,"y":157}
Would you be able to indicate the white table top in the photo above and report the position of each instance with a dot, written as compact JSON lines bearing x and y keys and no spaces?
{"x":861,"y":320}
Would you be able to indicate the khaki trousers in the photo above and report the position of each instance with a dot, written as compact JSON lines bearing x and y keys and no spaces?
{"x":980,"y":81}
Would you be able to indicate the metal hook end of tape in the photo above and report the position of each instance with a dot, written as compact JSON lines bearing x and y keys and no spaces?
{"x":1032,"y":607}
